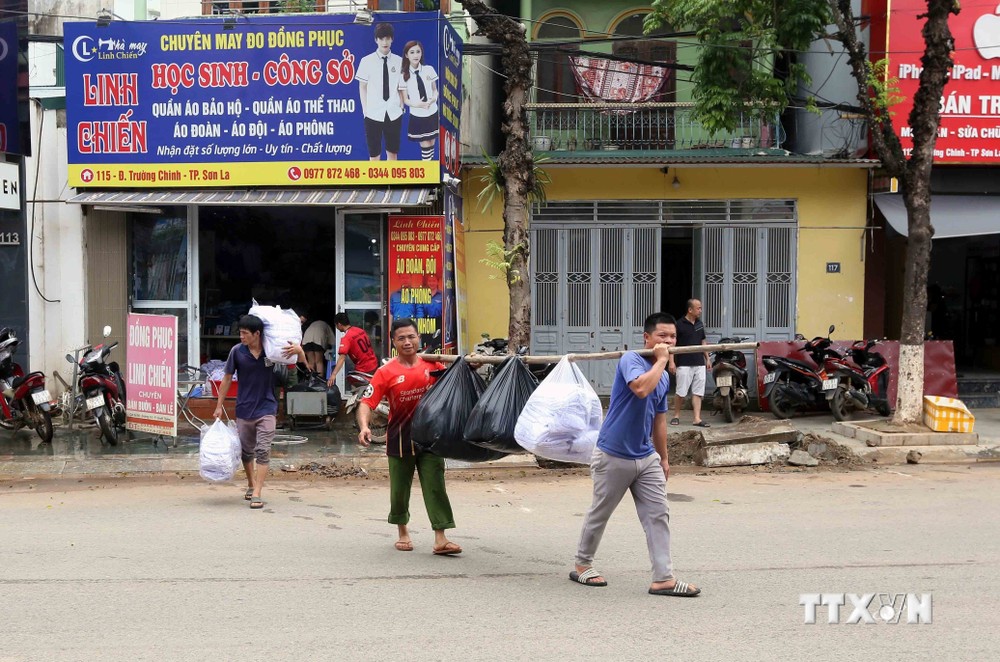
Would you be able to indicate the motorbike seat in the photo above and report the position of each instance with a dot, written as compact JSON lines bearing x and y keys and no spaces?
{"x":796,"y":362}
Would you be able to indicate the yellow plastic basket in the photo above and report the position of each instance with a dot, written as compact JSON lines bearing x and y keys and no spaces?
{"x":943,"y":414}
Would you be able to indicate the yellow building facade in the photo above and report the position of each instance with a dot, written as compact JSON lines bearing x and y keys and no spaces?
{"x":829,"y":230}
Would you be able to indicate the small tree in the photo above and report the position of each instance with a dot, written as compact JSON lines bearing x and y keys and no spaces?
{"x":733,"y":80}
{"x":515,"y":163}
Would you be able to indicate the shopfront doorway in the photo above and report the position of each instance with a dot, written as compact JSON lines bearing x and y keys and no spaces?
{"x":361,"y":280}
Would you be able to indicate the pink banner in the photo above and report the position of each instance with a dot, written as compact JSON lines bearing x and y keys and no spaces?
{"x":151,"y":374}
{"x":939,"y":364}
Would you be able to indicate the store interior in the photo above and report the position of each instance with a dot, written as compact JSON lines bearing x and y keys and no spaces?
{"x":283,"y":256}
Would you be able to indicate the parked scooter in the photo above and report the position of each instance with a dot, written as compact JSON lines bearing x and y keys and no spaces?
{"x":729,"y":370}
{"x":103,"y":389}
{"x":25,"y":401}
{"x":864,"y":384}
{"x":357,"y":387}
{"x":790,"y":384}
{"x":498,"y":347}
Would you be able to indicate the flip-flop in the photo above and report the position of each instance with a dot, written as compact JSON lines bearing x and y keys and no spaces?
{"x":585,"y":577}
{"x":679,"y":589}
{"x":249,"y":494}
{"x":675,"y":421}
{"x":702,"y":424}
{"x":449,"y":549}
{"x":404,"y":546}
{"x":256,"y":503}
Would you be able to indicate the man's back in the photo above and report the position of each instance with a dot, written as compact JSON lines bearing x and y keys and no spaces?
{"x":358,"y":346}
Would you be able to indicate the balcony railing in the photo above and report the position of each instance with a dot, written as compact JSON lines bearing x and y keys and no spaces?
{"x":638,"y":126}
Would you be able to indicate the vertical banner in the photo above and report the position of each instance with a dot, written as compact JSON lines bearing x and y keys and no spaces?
{"x":455,"y":320}
{"x":416,"y":274}
{"x":151,"y":374}
{"x":451,"y":100}
{"x":10,"y":140}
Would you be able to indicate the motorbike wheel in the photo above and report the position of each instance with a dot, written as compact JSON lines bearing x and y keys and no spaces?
{"x":883,"y":409}
{"x":727,"y":408}
{"x":778,"y":405}
{"x":107,"y":427}
{"x":44,"y":425}
{"x":840,"y":405}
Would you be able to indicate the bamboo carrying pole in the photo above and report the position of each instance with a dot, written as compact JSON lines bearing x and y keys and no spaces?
{"x":592,"y":356}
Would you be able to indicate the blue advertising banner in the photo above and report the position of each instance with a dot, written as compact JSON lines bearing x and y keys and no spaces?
{"x":10,"y":140}
{"x":451,"y":99}
{"x":300,"y":100}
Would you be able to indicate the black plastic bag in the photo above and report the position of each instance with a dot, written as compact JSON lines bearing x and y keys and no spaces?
{"x":492,"y":422}
{"x":438,"y":423}
{"x":312,"y":383}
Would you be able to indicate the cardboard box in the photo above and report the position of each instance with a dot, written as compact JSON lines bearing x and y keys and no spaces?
{"x":943,"y":414}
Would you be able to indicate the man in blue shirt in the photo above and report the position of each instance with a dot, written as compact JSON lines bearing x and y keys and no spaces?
{"x":625,"y":459}
{"x":256,"y":405}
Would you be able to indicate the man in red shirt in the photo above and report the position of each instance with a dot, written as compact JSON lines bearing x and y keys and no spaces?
{"x":355,"y":344}
{"x":404,"y":380}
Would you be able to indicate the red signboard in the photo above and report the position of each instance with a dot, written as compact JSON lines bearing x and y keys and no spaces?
{"x":416,"y":275}
{"x":970,"y":104}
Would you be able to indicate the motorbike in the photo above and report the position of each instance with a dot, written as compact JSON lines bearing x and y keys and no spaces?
{"x":729,"y":370}
{"x":498,"y":347}
{"x":790,"y":384}
{"x":25,"y":402}
{"x":864,"y":384}
{"x":378,"y":422}
{"x":103,"y":389}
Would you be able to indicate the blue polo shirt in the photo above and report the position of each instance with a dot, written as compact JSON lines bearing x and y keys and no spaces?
{"x":255,"y":394}
{"x":626,"y":432}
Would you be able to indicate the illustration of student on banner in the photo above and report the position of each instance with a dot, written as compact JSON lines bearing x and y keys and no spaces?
{"x":420,"y":93}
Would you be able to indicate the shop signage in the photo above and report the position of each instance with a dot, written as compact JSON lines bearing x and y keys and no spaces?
{"x":416,"y":275}
{"x":151,"y":374}
{"x":455,"y":314}
{"x":304,"y":101}
{"x":970,"y":104}
{"x":451,"y":99}
{"x":10,"y":178}
{"x":9,"y":128}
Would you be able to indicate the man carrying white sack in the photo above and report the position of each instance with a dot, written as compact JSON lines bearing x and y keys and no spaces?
{"x":626,"y":460}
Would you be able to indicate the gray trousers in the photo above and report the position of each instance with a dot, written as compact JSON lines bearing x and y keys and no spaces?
{"x":644,"y":478}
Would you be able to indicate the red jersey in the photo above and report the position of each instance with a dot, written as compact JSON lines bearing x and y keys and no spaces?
{"x":404,"y":386}
{"x":356,"y":345}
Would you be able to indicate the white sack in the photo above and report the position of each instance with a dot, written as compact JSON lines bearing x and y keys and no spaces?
{"x":220,"y":453}
{"x":562,"y":417}
{"x":280,"y":328}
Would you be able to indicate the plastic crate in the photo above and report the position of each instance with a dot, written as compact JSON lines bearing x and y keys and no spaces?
{"x":943,"y":414}
{"x":216,"y":383}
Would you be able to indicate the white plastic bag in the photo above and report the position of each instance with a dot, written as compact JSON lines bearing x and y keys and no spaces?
{"x":280,"y":328}
{"x":220,"y":453}
{"x":562,"y":417}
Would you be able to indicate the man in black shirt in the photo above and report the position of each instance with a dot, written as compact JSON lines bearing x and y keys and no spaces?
{"x":690,"y":368}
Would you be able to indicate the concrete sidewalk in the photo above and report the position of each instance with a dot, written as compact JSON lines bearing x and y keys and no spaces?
{"x":81,"y":452}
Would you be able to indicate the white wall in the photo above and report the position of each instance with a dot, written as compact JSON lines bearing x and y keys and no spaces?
{"x":57,"y":250}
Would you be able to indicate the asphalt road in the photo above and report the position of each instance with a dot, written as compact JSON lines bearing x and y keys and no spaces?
{"x":173,"y":569}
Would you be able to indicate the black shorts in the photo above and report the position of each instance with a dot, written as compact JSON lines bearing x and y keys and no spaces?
{"x":389,"y":129}
{"x":313,"y":347}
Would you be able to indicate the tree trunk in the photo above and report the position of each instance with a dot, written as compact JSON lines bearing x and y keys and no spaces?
{"x":914,"y":175}
{"x":516,"y":162}
{"x":910,"y":390}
